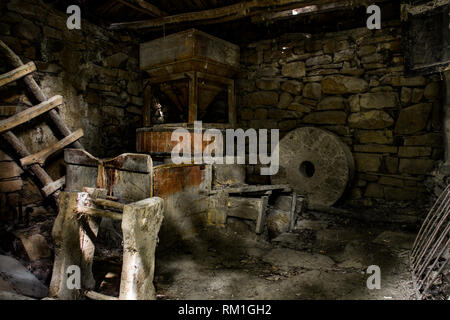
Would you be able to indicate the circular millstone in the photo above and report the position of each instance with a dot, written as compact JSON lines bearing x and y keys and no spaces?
{"x":316,"y":163}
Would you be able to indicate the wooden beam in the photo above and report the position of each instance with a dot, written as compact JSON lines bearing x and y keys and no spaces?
{"x":34,"y":88}
{"x":109,"y":204}
{"x":42,"y":156}
{"x":99,"y":213}
{"x":30,"y":113}
{"x":144,"y":7}
{"x":227,"y":13}
{"x":7,"y":111}
{"x":54,"y":186}
{"x":17,"y":73}
{"x":98,"y":296}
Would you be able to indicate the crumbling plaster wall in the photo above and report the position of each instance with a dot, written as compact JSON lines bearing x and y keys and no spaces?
{"x":352,"y":83}
{"x":96,"y":72}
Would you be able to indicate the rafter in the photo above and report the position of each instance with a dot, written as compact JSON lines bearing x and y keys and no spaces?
{"x":144,"y":7}
{"x":227,"y":13}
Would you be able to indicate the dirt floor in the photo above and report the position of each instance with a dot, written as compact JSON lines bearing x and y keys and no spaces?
{"x":322,"y":259}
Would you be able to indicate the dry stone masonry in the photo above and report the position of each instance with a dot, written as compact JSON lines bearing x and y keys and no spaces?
{"x":354,"y":84}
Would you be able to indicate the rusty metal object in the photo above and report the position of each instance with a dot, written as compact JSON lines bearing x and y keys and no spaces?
{"x":431,"y":250}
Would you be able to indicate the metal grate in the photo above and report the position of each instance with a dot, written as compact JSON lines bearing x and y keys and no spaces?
{"x":430,"y":253}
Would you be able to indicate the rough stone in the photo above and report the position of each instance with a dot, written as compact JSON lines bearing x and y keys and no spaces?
{"x":292,"y":258}
{"x":293,"y":87}
{"x":375,"y":148}
{"x":374,"y":119}
{"x":413,"y":152}
{"x":117,"y":60}
{"x":428,"y":139}
{"x":326,"y":117}
{"x":378,"y":100}
{"x":415,"y":166}
{"x":343,"y":85}
{"x":261,"y":98}
{"x":417,"y":95}
{"x":294,"y":69}
{"x":406,"y":95}
{"x":409,"y":82}
{"x":268,"y":85}
{"x":20,"y":279}
{"x":374,"y":190}
{"x":366,"y":162}
{"x":332,"y":103}
{"x":375,"y":136}
{"x":325,"y":59}
{"x":391,"y":164}
{"x":313,"y":90}
{"x":413,"y":119}
{"x":432,"y":91}
{"x":285,"y":100}
{"x":390,"y":181}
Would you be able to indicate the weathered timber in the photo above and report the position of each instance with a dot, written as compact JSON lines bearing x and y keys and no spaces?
{"x":98,"y":296}
{"x":293,"y":210}
{"x":140,"y":225}
{"x":73,"y":246}
{"x":99,"y":213}
{"x":9,"y":169}
{"x":244,"y":208}
{"x":6,"y":111}
{"x":54,"y":186}
{"x":17,"y":73}
{"x":227,"y":13}
{"x":261,"y":220}
{"x":30,"y":113}
{"x":109,"y":204}
{"x":42,"y":155}
{"x":145,"y":7}
{"x":34,"y":88}
{"x":96,"y":193}
{"x":253,"y":188}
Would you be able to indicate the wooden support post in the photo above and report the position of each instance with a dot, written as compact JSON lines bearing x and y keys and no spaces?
{"x":17,"y":73}
{"x":99,"y":213}
{"x":30,"y":113}
{"x":147,"y":112}
{"x":140,"y":225}
{"x":109,"y":204}
{"x":34,"y":88}
{"x":231,"y":105}
{"x":261,"y":221}
{"x":73,"y":246}
{"x":42,"y":156}
{"x":193,"y":97}
{"x":98,"y":296}
{"x":293,"y":210}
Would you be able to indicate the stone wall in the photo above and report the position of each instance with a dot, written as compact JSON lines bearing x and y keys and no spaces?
{"x":96,"y":72}
{"x":351,"y":83}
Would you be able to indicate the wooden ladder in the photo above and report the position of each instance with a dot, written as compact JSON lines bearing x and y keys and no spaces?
{"x":34,"y":163}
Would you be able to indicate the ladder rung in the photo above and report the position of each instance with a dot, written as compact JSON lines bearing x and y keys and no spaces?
{"x":41,"y":156}
{"x":51,"y":188}
{"x":30,"y":113}
{"x":17,"y":73}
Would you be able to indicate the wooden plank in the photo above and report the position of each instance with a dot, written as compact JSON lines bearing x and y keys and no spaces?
{"x":253,"y":188}
{"x":54,"y":186}
{"x":232,"y":120}
{"x":144,"y":7}
{"x":109,"y":204}
{"x":261,"y":220}
{"x":99,"y":213}
{"x":147,"y":116}
{"x":293,"y":209}
{"x":34,"y":88}
{"x":30,"y":113}
{"x":11,"y":185}
{"x":193,"y":97}
{"x":42,"y":156}
{"x":244,"y":208}
{"x":216,"y":15}
{"x":9,"y":169}
{"x":17,"y":73}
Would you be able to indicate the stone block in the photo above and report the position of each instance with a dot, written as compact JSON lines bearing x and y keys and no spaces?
{"x":415,"y":166}
{"x":332,"y":103}
{"x":343,"y":85}
{"x":413,"y":119}
{"x":414,"y":152}
{"x":326,"y":117}
{"x":294,"y":69}
{"x":375,"y":119}
{"x":375,"y":136}
{"x":366,"y":162}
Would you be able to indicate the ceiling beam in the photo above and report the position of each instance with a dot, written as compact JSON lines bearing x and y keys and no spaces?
{"x":228,"y":13}
{"x":144,"y":7}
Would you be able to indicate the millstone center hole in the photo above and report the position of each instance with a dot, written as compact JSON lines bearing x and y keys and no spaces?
{"x":307,"y":169}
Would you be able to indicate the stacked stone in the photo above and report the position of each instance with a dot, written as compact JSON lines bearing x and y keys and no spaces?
{"x":352,"y":83}
{"x":96,"y":72}
{"x":11,"y":185}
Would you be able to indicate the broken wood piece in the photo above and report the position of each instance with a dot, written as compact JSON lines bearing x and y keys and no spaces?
{"x":17,"y":73}
{"x":99,"y":213}
{"x":51,"y":188}
{"x":145,"y":7}
{"x":244,"y":208}
{"x":42,"y":156}
{"x":109,"y":203}
{"x":293,"y":210}
{"x":98,"y":296}
{"x":30,"y":113}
